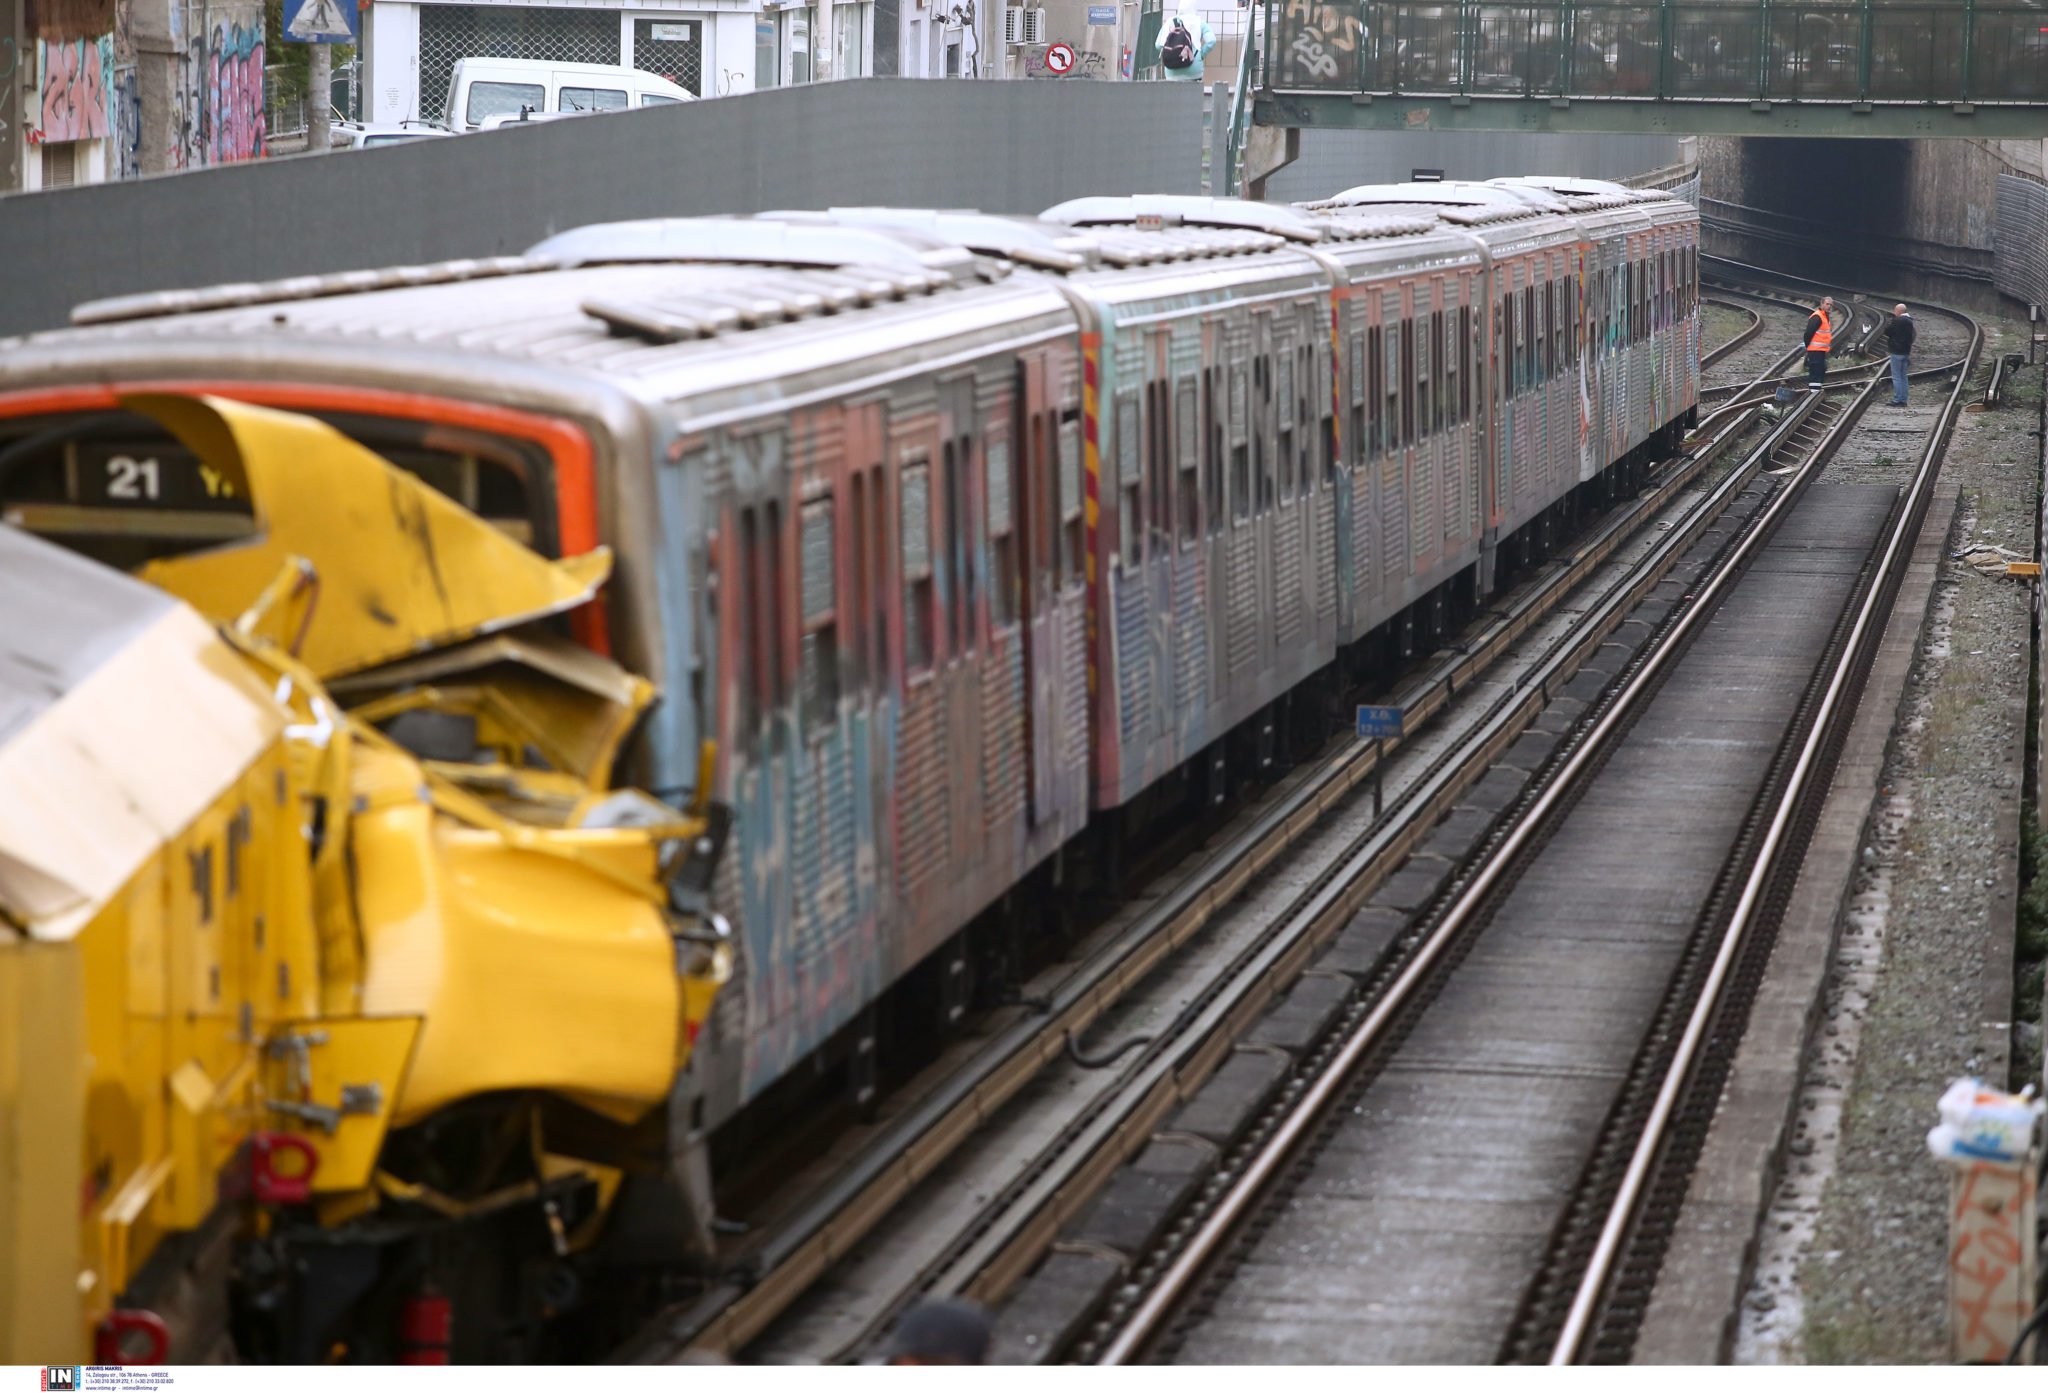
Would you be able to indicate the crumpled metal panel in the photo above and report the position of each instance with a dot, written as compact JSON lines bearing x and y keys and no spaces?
{"x":397,"y":568}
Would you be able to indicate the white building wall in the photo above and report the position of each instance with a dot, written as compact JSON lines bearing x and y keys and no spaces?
{"x":391,"y":62}
{"x":391,"y":46}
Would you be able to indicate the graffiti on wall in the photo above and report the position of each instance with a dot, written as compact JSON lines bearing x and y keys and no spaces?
{"x":10,"y":69}
{"x":127,"y":122}
{"x":235,"y":128}
{"x":77,"y":77}
{"x":1316,"y":42}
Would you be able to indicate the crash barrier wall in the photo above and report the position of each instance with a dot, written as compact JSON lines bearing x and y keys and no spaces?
{"x":1007,"y":147}
{"x":1335,"y":160}
{"x":2019,"y":240}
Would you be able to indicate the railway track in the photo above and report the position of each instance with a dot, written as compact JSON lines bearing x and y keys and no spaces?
{"x":1059,"y":1145}
{"x":827,"y":1281}
{"x":1147,"y":961}
{"x":1353,"y":1138}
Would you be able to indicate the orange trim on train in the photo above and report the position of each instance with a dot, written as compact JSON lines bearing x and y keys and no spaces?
{"x":567,"y":446}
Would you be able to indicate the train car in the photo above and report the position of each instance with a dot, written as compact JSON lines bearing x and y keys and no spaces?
{"x":956,"y":546}
{"x":306,"y":1036}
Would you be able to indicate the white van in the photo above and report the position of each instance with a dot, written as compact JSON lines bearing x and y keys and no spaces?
{"x":480,"y":88}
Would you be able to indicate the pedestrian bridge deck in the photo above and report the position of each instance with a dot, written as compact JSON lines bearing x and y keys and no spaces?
{"x":1829,"y":68}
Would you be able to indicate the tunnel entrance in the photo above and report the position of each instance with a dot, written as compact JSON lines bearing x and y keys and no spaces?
{"x":1892,"y":216}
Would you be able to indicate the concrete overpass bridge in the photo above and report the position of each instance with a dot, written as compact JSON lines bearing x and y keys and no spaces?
{"x":1832,"y":68}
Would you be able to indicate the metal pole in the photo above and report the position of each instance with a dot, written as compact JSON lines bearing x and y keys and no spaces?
{"x":319,"y":102}
{"x":1969,"y":43}
{"x":1863,"y":64}
{"x":1379,"y":777}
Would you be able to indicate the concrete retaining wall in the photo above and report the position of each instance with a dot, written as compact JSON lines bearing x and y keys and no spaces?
{"x":1007,"y":147}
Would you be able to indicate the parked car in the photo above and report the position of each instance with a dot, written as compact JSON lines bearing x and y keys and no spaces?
{"x":358,"y":135}
{"x":480,"y":88}
{"x":526,"y":117}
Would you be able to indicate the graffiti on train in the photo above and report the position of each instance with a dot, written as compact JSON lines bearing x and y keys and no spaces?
{"x":1318,"y":43}
{"x":77,"y":74}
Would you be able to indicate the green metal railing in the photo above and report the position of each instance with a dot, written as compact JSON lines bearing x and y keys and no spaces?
{"x":1834,"y":51}
{"x":1230,"y":184}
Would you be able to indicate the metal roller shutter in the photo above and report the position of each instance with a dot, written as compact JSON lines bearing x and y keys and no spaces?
{"x":449,"y":32}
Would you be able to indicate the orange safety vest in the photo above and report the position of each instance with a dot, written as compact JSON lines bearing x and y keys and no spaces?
{"x":1823,"y":337}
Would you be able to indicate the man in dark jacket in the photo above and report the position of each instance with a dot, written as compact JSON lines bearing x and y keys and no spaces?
{"x":1899,"y":339}
{"x":1819,"y":338}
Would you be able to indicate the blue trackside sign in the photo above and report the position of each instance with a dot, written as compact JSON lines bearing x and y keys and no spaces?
{"x":1379,"y":722}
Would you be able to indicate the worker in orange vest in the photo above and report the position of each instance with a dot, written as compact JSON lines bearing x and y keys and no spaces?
{"x":1820,"y":337}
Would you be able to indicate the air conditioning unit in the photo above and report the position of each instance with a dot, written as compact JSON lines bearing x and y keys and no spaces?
{"x":1023,"y":27}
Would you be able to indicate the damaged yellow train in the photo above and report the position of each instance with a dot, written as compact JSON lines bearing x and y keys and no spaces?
{"x":342,"y":998}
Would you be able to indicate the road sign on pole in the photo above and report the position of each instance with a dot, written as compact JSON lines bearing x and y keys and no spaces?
{"x":1379,"y":722}
{"x":1059,"y":60}
{"x":321,"y":22}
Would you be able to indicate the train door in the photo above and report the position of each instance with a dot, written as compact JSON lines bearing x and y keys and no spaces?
{"x":961,"y":559}
{"x":866,"y":613}
{"x":1032,"y":505}
{"x":1355,"y":460}
{"x":923,"y":810}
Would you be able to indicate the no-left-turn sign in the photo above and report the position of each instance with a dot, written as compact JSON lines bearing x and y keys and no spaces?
{"x":1059,"y":60}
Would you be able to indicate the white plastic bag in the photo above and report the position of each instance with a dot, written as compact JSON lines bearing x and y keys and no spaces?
{"x":1979,"y":1123}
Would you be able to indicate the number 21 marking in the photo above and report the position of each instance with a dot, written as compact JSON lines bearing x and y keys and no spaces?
{"x":132,"y":478}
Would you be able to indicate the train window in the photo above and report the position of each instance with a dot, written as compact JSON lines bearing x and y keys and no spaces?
{"x":915,"y":539}
{"x":1550,"y":319}
{"x":1359,"y":446}
{"x":1406,"y":329}
{"x":747,"y":662}
{"x":1187,"y":424}
{"x":880,"y":598}
{"x":1130,"y":524}
{"x":1240,"y":446}
{"x":1285,"y":418}
{"x":818,"y":649}
{"x":857,"y":536}
{"x":1532,"y":339}
{"x":772,"y":583}
{"x":1159,"y":459}
{"x":1316,"y":407}
{"x":1213,"y":448}
{"x":1439,"y":368}
{"x":1446,"y":357}
{"x":962,"y":534}
{"x":117,"y":487}
{"x":1418,"y":331}
{"x":1377,"y":394}
{"x":1461,"y":360}
{"x":1127,"y":435}
{"x":1001,"y":491}
{"x":1391,"y":380}
{"x":1072,"y":539}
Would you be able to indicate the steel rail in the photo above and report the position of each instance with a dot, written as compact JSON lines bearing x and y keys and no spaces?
{"x":1251,"y":1182}
{"x":736,"y":1308}
{"x":1070,"y":1170}
{"x":1741,"y":337}
{"x":1593,"y":1283}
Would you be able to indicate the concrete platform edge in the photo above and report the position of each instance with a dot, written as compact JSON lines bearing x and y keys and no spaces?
{"x":1692,"y":1314}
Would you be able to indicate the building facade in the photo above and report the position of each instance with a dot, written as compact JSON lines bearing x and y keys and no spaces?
{"x":168,"y":85}
{"x":705,"y":46}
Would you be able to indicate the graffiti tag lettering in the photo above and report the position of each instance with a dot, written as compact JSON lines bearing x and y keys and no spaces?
{"x":236,"y":94}
{"x":77,"y":76}
{"x":1318,"y":42}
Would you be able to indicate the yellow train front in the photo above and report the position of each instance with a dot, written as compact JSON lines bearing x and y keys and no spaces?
{"x":341,"y":997}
